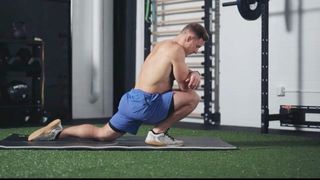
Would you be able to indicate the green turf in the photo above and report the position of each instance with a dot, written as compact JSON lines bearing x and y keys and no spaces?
{"x":258,"y":156}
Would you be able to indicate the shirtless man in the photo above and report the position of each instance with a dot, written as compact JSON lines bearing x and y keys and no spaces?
{"x":152,"y":100}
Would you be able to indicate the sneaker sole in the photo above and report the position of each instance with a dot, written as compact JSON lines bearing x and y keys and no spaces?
{"x":155,"y":143}
{"x":43,"y":130}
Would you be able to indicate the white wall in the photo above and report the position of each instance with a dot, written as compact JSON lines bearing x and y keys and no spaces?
{"x":292,"y":64}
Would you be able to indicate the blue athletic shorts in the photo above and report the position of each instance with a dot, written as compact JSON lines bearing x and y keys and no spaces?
{"x":137,"y":107}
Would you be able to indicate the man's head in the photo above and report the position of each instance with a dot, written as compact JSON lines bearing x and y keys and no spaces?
{"x":195,"y":36}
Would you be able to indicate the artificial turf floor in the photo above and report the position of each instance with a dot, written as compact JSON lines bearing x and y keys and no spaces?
{"x":258,"y":156}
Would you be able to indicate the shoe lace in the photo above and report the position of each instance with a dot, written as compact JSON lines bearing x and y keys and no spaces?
{"x":166,"y":133}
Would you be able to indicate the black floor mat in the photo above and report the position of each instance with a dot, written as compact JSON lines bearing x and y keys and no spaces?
{"x":16,"y":141}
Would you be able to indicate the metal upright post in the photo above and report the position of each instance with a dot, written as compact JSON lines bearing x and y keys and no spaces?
{"x":216,"y":44}
{"x":147,"y":26}
{"x":208,"y":63}
{"x":264,"y":66}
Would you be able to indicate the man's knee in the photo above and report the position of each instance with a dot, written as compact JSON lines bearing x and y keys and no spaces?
{"x":194,"y":98}
{"x":105,"y":133}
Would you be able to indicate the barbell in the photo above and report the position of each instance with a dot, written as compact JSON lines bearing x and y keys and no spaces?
{"x":248,"y":9}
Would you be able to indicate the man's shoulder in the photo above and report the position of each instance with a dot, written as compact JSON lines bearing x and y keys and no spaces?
{"x":170,"y":45}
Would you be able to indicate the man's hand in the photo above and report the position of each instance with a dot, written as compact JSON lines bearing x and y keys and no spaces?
{"x":193,"y":80}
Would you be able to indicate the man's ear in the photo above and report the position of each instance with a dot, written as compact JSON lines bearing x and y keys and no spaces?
{"x":188,"y":38}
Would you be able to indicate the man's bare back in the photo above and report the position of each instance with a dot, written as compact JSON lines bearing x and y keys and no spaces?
{"x":166,"y":57}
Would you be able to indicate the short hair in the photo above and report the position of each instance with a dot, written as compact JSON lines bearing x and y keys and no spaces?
{"x":198,"y":29}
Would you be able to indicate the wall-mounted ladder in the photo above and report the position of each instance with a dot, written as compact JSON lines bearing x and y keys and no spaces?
{"x":164,"y":19}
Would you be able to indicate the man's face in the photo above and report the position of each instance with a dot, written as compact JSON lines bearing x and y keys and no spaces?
{"x":194,"y":44}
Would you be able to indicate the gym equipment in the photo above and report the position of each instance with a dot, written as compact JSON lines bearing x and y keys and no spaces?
{"x":17,"y":92}
{"x":264,"y":6}
{"x":22,"y":81}
{"x":126,"y":142}
{"x":248,"y":9}
{"x":290,"y":115}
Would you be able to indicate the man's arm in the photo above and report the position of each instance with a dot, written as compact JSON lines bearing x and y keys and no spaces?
{"x":180,"y":71}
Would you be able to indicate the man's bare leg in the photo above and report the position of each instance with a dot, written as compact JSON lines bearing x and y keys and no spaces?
{"x":104,"y":133}
{"x":184,"y":103}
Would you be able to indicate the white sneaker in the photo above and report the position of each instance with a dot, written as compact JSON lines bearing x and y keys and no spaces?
{"x":47,"y":133}
{"x":162,"y":139}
